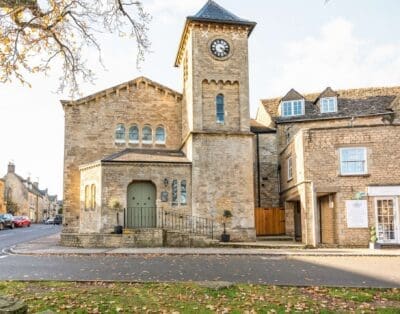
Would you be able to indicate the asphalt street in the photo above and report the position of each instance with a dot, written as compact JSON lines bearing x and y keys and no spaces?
{"x":10,"y":237}
{"x":361,"y":271}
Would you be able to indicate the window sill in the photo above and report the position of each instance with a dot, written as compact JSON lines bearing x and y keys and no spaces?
{"x":290,"y":179}
{"x":365,"y":175}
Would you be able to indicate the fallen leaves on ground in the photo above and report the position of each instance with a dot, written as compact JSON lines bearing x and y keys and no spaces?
{"x":107,"y":297}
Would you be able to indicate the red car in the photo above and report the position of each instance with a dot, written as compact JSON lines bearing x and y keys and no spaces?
{"x":22,"y":221}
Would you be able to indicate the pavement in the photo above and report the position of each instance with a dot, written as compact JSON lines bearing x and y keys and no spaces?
{"x":50,"y":246}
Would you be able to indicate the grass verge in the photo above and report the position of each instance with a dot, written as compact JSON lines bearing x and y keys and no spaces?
{"x":105,"y":297}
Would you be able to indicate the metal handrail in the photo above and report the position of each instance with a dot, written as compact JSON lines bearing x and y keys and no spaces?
{"x":151,"y":217}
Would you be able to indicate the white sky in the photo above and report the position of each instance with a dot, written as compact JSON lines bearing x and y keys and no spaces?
{"x":304,"y":44}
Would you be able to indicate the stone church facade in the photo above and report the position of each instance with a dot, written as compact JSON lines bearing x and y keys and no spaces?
{"x":141,"y":146}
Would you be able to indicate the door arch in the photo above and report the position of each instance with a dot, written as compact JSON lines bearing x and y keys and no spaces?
{"x":141,"y":205}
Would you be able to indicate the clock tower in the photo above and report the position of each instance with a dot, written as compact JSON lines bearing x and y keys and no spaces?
{"x":213,"y":55}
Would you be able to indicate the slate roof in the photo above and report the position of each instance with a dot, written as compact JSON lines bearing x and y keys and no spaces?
{"x":351,"y":103}
{"x":257,"y":127}
{"x":213,"y":12}
{"x":147,"y":155}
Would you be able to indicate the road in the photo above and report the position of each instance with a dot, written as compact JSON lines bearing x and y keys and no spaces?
{"x":278,"y":270}
{"x":10,"y":237}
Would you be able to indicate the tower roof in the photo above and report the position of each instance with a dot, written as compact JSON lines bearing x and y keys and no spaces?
{"x":213,"y":12}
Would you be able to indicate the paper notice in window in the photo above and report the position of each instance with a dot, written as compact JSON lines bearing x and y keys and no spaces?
{"x":357,"y":214}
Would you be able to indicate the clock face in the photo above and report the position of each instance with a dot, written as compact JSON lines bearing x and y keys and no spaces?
{"x":220,"y":48}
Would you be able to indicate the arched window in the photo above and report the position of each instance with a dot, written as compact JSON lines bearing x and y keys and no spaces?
{"x":87,"y":197}
{"x":120,"y":134}
{"x":134,"y":134}
{"x":93,"y":197}
{"x":219,"y":103}
{"x":160,"y":135}
{"x":147,"y":135}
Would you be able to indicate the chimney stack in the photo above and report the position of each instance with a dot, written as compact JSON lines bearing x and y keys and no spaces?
{"x":11,"y":168}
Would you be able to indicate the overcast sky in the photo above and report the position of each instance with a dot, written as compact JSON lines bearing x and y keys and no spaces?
{"x":304,"y":44}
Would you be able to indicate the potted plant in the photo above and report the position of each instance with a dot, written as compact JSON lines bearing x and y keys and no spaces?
{"x":117,"y":206}
{"x":225,"y":237}
{"x":373,"y":244}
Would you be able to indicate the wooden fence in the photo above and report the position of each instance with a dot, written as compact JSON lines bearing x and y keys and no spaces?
{"x":270,"y":221}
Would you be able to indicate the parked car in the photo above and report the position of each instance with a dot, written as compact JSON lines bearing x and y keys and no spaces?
{"x":6,"y":221}
{"x":22,"y":221}
{"x":58,"y":220}
{"x":49,"y":221}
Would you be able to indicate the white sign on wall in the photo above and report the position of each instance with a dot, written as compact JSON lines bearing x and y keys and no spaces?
{"x":357,"y":214}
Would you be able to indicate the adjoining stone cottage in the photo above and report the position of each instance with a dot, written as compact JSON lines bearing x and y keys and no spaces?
{"x":339,"y":157}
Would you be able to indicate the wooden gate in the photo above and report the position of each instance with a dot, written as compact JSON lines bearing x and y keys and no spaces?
{"x":270,"y":221}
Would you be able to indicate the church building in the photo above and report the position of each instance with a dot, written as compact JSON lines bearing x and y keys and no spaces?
{"x":139,"y":151}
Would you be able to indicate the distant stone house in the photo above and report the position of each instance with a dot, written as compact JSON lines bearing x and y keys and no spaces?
{"x":339,"y":158}
{"x":2,"y":200}
{"x":24,"y":197}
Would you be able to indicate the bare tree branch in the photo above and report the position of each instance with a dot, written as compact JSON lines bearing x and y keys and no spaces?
{"x":35,"y":34}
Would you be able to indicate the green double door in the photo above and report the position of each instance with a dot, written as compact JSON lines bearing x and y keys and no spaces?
{"x":141,"y":212}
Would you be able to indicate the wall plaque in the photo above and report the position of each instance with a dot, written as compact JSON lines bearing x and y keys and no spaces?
{"x":357,"y":214}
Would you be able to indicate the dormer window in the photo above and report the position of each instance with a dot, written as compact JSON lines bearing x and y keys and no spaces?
{"x":328,"y":104}
{"x":292,"y":108}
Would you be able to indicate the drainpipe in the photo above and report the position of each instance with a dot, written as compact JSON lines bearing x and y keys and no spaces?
{"x":258,"y":170}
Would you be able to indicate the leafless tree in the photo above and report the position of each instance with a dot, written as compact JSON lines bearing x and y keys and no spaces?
{"x":38,"y":34}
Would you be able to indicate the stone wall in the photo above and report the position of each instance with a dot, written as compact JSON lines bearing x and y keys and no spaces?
{"x":222,"y":178}
{"x":90,"y":216}
{"x":266,"y":175}
{"x":17,"y":193}
{"x":323,"y":168}
{"x":90,"y":130}
{"x":2,"y":200}
{"x":207,"y":68}
{"x":117,"y":177}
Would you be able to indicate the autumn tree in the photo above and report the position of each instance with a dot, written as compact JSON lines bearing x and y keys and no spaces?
{"x":38,"y":34}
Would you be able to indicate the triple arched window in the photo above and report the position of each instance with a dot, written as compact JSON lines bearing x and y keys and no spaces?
{"x":134,"y":134}
{"x":120,"y":133}
{"x":137,"y":135}
{"x":220,"y":110}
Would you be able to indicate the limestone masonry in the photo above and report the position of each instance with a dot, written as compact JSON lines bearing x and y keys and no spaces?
{"x":165,"y":166}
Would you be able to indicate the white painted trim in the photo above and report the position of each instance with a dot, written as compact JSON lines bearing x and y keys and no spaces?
{"x":335,"y":107}
{"x":365,"y":161}
{"x":292,"y":107}
{"x":383,"y":190}
{"x":396,"y":219}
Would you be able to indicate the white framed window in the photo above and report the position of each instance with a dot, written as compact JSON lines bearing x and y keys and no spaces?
{"x":160,"y":135}
{"x":147,"y":135}
{"x":120,"y":134}
{"x":134,"y":134}
{"x":292,"y":108}
{"x":328,"y":104}
{"x":353,"y":160}
{"x":289,"y":168}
